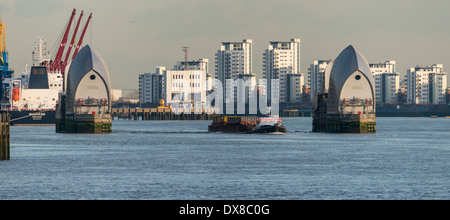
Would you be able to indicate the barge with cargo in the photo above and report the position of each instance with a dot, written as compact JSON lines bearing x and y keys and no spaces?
{"x":247,"y":124}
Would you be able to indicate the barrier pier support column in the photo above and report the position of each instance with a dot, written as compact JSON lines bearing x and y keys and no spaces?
{"x":5,"y":136}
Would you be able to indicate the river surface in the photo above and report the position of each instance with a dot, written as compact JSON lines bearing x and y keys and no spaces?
{"x":408,"y":158}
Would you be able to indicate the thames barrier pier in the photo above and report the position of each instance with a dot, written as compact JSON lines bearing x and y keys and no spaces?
{"x":347,"y":102}
{"x":85,"y":106}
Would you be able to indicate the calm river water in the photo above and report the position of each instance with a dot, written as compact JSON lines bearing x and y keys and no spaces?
{"x":408,"y":158}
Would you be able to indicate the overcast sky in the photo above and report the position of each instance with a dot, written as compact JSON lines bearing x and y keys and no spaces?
{"x":135,"y":36}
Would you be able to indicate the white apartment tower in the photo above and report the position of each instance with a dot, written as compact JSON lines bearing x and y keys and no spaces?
{"x":316,"y":73}
{"x":387,"y":82}
{"x":427,"y":84}
{"x":295,"y":84}
{"x":280,"y":61}
{"x":233,"y":61}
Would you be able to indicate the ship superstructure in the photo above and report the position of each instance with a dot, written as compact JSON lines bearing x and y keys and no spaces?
{"x":31,"y":99}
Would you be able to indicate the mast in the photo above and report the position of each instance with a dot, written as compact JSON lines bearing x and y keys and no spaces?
{"x":185,"y":49}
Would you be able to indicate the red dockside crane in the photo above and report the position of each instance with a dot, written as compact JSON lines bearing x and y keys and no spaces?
{"x":72,"y":42}
{"x":82,"y":37}
{"x":59,"y":65}
{"x":56,"y":64}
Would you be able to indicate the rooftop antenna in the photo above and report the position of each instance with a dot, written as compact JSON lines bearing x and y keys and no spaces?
{"x":185,"y":49}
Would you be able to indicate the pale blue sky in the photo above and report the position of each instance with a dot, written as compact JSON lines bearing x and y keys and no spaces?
{"x":412,"y":32}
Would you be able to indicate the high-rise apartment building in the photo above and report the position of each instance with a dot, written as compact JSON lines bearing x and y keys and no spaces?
{"x":151,"y":86}
{"x":316,"y":73}
{"x":282,"y":61}
{"x":295,"y":83}
{"x":387,"y":82}
{"x":233,"y":61}
{"x":427,"y":84}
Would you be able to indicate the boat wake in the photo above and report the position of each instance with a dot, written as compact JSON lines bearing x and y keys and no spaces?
{"x":300,"y":132}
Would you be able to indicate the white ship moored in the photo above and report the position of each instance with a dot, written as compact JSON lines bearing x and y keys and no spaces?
{"x":37,"y":90}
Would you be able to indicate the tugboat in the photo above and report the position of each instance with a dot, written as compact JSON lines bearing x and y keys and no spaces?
{"x":268,"y":125}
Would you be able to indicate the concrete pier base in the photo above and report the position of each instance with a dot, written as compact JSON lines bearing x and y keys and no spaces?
{"x":364,"y":123}
{"x":85,"y":124}
{"x":351,"y":123}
